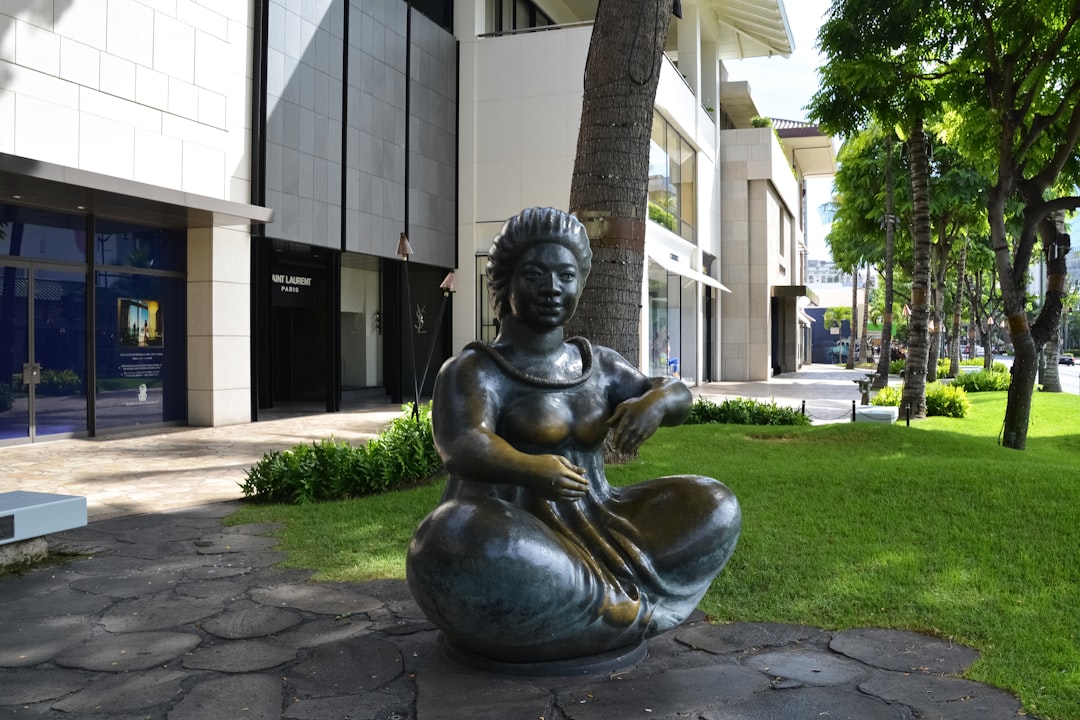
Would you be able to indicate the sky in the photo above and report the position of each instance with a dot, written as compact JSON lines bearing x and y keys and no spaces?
{"x":782,"y":87}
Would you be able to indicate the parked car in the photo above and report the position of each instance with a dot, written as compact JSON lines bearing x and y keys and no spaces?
{"x":1066,"y":359}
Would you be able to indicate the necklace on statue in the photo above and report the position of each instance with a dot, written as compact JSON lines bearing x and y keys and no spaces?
{"x":515,"y":372}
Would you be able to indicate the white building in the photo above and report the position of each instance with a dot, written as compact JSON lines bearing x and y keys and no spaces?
{"x":201,"y":200}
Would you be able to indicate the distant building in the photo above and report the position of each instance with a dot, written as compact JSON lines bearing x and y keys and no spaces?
{"x":825,"y":272}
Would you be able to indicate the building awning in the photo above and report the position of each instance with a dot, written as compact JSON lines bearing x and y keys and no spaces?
{"x":65,"y":189}
{"x":804,"y":317}
{"x":678,"y":269}
{"x":794,"y":291}
{"x":750,"y":28}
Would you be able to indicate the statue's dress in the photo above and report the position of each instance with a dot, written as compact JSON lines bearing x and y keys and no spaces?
{"x":510,"y":576}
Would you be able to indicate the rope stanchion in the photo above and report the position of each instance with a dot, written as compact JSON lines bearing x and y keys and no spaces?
{"x":852,"y":411}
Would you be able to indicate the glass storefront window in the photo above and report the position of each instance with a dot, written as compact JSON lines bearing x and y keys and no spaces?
{"x":672,"y":167}
{"x":32,"y":234}
{"x":126,"y":245}
{"x":141,"y":350}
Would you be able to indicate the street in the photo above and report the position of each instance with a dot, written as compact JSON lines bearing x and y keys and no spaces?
{"x":1069,"y":374}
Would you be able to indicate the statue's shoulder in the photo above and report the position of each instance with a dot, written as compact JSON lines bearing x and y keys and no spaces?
{"x":474,"y":358}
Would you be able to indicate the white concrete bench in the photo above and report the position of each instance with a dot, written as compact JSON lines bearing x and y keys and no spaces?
{"x":27,"y":516}
{"x":877,"y":413}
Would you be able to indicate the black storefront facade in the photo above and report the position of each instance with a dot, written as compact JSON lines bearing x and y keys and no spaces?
{"x":335,"y":331}
{"x":354,"y":143}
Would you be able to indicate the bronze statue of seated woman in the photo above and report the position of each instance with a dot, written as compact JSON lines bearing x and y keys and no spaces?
{"x":531,"y":556}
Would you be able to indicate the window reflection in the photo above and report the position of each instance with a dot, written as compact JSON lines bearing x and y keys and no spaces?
{"x":125,"y":245}
{"x":672,"y":161}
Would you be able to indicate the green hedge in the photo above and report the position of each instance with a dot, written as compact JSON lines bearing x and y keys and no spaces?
{"x":941,"y":400}
{"x":984,"y":380}
{"x":334,"y":470}
{"x":744,"y":411}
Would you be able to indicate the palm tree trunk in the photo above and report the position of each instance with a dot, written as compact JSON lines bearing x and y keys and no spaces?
{"x":850,"y":365}
{"x":609,"y":186}
{"x":882,"y":378}
{"x":958,"y":304}
{"x":914,"y":395}
{"x":864,"y":338}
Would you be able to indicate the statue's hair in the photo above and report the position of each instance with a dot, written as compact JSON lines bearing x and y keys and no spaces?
{"x":521,"y":232}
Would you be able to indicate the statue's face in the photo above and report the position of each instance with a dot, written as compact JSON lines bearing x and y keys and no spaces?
{"x":545,"y":287}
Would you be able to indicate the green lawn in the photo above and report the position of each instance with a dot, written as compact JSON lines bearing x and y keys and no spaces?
{"x":933,"y":528}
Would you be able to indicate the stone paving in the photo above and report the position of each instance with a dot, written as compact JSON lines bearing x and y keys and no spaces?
{"x":161,"y":611}
{"x":174,"y":616}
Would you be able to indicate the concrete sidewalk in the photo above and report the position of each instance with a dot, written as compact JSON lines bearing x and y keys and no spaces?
{"x":184,"y":467}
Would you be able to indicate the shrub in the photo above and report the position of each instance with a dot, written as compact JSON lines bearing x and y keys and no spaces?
{"x":895,"y":366}
{"x":941,"y":400}
{"x":744,"y":411}
{"x":888,"y":396}
{"x":984,"y":380}
{"x":946,"y":401}
{"x":334,"y":470}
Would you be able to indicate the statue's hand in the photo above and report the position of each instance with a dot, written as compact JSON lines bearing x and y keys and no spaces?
{"x":634,"y":421}
{"x":556,"y":478}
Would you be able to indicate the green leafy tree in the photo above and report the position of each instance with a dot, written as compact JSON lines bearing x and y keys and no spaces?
{"x":880,"y":67}
{"x":1015,"y":85}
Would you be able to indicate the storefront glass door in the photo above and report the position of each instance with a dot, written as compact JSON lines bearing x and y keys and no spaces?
{"x":43,"y":355}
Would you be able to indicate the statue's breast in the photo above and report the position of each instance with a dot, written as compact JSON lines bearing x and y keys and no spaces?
{"x":547,"y":420}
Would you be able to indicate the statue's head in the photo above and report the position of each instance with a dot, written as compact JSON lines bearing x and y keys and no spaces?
{"x":528,"y":228}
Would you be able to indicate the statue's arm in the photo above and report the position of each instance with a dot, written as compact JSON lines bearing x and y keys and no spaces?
{"x":465,"y":411}
{"x":642,"y":404}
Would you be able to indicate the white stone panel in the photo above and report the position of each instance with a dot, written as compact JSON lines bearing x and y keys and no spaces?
{"x":106,"y":146}
{"x":204,"y":170}
{"x":45,"y":131}
{"x":79,"y":63}
{"x":151,"y":87}
{"x":232,"y":363}
{"x":232,"y":407}
{"x":231,"y":256}
{"x":39,"y":14}
{"x":183,"y":99}
{"x":174,"y":48}
{"x":7,"y":121}
{"x":545,"y":182}
{"x":545,"y":126}
{"x":7,"y":38}
{"x":214,"y":63}
{"x":158,"y":159}
{"x":211,"y":108}
{"x":26,"y":82}
{"x":199,"y":258}
{"x":202,"y":17}
{"x":231,"y":308}
{"x":130,"y":31}
{"x":499,"y":67}
{"x":117,"y":76}
{"x":37,"y":48}
{"x":199,"y":352}
{"x":498,"y":189}
{"x":82,"y":21}
{"x":99,"y":103}
{"x":498,"y":131}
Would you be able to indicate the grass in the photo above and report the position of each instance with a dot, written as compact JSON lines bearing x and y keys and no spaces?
{"x":933,"y":528}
